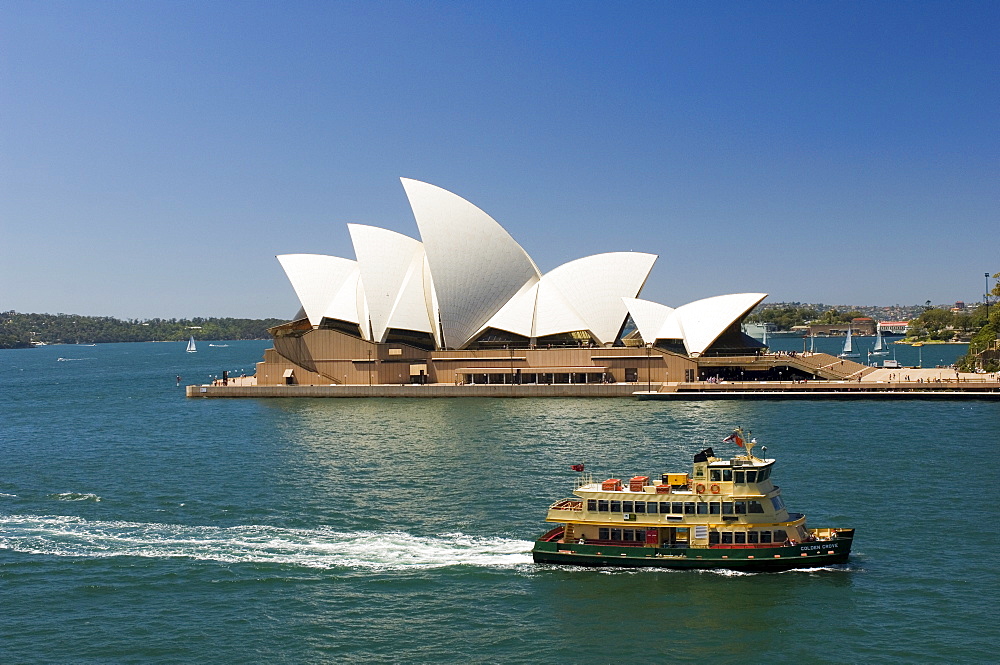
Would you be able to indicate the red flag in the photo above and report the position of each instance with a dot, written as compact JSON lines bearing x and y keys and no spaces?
{"x":577,"y":467}
{"x":734,"y":438}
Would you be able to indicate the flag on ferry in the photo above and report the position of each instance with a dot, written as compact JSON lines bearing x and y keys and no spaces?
{"x":734,"y":438}
{"x":577,"y":467}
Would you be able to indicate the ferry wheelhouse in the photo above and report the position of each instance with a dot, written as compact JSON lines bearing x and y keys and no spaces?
{"x":726,"y":513}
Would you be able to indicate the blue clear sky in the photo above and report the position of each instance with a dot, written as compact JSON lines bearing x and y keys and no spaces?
{"x":155,"y":156}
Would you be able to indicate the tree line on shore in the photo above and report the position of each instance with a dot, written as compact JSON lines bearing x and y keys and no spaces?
{"x":20,"y":330}
{"x":933,"y":323}
{"x":984,"y":347}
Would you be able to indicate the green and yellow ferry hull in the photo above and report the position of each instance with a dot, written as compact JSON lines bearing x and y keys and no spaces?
{"x":812,"y":554}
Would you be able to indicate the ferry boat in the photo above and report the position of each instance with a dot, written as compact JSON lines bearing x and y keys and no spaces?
{"x":726,"y":513}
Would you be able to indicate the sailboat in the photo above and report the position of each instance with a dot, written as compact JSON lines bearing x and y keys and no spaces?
{"x":848,"y":351}
{"x":191,"y":347}
{"x":879,"y":349}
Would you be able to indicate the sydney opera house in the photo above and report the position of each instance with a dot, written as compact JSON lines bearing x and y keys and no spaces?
{"x":465,"y":304}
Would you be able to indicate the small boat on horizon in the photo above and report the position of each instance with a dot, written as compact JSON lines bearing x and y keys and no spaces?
{"x":191,"y":348}
{"x":725,"y":514}
{"x":219,"y":346}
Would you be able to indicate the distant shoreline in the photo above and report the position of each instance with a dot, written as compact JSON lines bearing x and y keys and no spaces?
{"x":141,"y":341}
{"x":20,"y":329}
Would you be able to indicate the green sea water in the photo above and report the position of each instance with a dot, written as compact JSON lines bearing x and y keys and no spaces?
{"x":138,"y":526}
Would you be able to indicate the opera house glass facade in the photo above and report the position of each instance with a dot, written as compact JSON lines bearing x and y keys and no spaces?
{"x":466,"y":304}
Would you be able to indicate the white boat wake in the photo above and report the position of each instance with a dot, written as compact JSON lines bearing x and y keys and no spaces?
{"x":314,"y":548}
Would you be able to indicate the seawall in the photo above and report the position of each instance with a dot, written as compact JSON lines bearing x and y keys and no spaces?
{"x":432,"y":390}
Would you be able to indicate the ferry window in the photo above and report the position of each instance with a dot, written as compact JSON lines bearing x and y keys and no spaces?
{"x":715,"y":475}
{"x":591,"y":504}
{"x":616,"y":534}
{"x":741,"y":537}
{"x":727,"y":537}
{"x":753,"y":537}
{"x":627,"y":535}
{"x":616,"y":506}
{"x":604,"y":534}
{"x":727,"y":474}
{"x":652,"y":506}
{"x":751,"y":476}
{"x":765,"y":536}
{"x":780,"y":536}
{"x":689,"y":507}
{"x":741,"y":507}
{"x":740,"y":477}
{"x":777,"y":503}
{"x":640,"y":506}
{"x":755,"y":506}
{"x":727,"y":508}
{"x":602,"y":505}
{"x":677,"y":508}
{"x":627,"y":507}
{"x":713,"y":537}
{"x":702,"y":508}
{"x":713,"y":507}
{"x":764,"y":474}
{"x":699,"y":472}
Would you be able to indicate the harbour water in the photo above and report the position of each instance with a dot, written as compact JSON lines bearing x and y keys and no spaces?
{"x":139,"y":526}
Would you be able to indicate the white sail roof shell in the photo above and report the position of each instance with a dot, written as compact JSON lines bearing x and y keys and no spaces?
{"x":702,"y":321}
{"x":475,"y":264}
{"x":317,"y":279}
{"x":349,"y":302}
{"x":553,"y":312}
{"x":469,"y":274}
{"x":649,"y":317}
{"x":391,"y":266}
{"x":518,"y":315}
{"x":595,"y":285}
{"x":538,"y":309}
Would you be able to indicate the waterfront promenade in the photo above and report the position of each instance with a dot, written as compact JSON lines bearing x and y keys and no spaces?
{"x":833,"y":376}
{"x":907,"y":383}
{"x":876,"y":383}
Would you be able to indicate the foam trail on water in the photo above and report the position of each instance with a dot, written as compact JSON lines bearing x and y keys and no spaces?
{"x":75,"y":496}
{"x":314,"y":548}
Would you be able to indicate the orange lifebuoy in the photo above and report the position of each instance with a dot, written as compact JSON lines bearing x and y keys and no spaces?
{"x":716,"y":489}
{"x":700,"y":489}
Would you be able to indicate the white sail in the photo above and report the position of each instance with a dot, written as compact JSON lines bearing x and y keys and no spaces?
{"x":879,"y":349}
{"x":848,"y":351}
{"x":191,"y":348}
